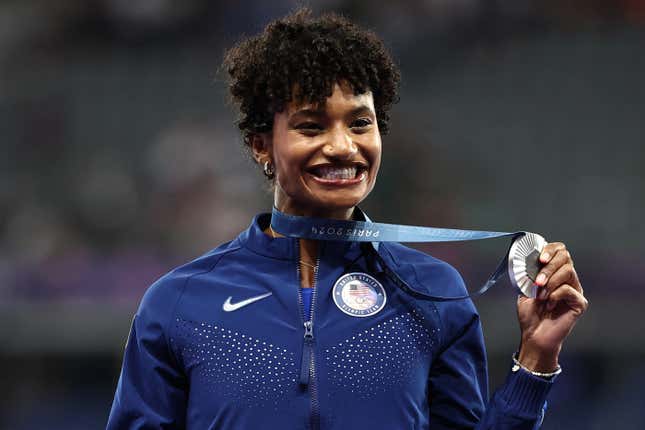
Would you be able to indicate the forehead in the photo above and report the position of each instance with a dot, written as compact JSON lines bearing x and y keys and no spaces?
{"x":342,"y":98}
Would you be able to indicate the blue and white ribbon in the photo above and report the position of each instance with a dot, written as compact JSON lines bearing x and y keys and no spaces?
{"x":367,"y":231}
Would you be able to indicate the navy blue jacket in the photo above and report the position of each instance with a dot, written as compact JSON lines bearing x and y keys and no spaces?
{"x":415,"y":364}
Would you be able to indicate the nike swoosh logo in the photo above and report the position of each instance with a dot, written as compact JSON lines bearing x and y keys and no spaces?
{"x":230,"y":307}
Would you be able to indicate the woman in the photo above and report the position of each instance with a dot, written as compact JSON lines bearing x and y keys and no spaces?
{"x":273,"y":332}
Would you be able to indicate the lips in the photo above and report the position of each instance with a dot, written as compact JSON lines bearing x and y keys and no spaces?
{"x":329,"y":174}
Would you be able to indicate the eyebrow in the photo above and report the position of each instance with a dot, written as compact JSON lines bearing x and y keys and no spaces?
{"x":361,"y":109}
{"x":309,"y":112}
{"x":321,"y":112}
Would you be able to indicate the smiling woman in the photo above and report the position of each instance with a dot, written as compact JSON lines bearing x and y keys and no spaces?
{"x":268,"y":331}
{"x":326,"y":157}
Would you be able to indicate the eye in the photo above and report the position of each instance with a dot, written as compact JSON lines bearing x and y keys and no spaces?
{"x":361,"y":124}
{"x":309,"y":128}
{"x":309,"y":125}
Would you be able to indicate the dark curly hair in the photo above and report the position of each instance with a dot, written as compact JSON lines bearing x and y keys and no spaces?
{"x":307,"y":54}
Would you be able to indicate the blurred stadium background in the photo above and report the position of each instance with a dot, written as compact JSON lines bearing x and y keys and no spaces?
{"x":120,"y":160}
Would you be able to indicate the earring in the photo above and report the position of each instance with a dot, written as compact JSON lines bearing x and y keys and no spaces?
{"x":268,"y":170}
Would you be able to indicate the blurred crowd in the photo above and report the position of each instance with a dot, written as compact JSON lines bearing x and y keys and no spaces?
{"x":121,"y":157}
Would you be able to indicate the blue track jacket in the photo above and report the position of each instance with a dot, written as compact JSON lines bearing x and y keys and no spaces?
{"x":210,"y":348}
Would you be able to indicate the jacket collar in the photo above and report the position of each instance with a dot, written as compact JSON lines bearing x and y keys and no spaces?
{"x":255,"y":239}
{"x":286,"y":248}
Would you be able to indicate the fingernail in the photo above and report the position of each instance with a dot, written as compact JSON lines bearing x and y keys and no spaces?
{"x":542,"y":294}
{"x":545,"y":257}
{"x":540,"y":279}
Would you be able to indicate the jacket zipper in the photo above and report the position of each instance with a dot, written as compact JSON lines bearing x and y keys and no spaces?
{"x":308,"y":363}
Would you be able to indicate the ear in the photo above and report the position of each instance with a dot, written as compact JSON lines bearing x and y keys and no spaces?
{"x":261,"y":146}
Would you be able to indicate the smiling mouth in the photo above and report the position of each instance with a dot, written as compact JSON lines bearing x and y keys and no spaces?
{"x":339,"y":175}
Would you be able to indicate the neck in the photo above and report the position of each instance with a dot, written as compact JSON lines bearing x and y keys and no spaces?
{"x":340,"y":213}
{"x":308,"y":247}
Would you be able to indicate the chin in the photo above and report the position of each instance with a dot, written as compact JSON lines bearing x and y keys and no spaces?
{"x":326,"y":201}
{"x":338,"y":202}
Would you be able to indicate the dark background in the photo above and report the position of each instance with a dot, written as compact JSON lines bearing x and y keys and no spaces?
{"x":120,"y":159}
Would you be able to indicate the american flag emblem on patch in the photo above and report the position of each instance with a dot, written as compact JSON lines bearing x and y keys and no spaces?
{"x":359,"y":289}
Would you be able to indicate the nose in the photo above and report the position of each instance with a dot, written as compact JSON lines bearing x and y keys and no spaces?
{"x":340,"y":145}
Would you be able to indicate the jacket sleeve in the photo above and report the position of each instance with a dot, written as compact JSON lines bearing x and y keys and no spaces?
{"x":152,"y":390}
{"x":458,"y":389}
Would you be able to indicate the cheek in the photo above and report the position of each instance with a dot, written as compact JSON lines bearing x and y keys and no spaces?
{"x":375,"y":155}
{"x":289,"y":167}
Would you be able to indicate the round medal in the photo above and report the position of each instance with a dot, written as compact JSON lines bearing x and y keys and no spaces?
{"x":359,"y":294}
{"x":524,"y":262}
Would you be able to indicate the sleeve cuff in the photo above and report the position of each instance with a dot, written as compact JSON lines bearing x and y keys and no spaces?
{"x":524,"y":393}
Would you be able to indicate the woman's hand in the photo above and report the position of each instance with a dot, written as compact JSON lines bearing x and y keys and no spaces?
{"x":549,"y":318}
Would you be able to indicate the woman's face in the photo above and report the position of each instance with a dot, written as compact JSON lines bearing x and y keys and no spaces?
{"x":326,"y":158}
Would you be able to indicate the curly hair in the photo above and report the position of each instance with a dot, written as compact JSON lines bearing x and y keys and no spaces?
{"x":300,"y":57}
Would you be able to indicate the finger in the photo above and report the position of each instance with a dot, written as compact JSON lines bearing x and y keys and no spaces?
{"x":565,"y":274}
{"x":569,"y":295}
{"x":550,"y":250}
{"x":559,"y":258}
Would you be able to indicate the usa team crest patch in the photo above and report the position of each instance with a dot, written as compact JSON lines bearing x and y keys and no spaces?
{"x":359,"y":294}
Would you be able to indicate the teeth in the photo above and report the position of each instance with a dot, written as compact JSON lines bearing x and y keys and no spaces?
{"x":328,"y":172}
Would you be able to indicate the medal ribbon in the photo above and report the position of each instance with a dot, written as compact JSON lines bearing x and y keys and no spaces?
{"x":367,"y":231}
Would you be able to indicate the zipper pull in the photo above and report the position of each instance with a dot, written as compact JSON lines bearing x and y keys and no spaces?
{"x":307,"y":350}
{"x":309,"y":330}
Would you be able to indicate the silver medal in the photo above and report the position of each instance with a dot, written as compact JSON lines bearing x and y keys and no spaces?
{"x":524,"y":262}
